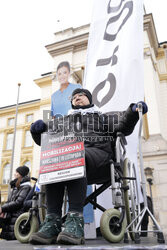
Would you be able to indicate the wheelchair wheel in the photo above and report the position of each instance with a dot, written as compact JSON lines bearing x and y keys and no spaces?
{"x":132,"y":204}
{"x":109,"y":227}
{"x":23,"y":234}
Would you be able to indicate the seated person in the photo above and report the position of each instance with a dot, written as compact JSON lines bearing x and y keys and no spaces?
{"x":97,"y":156}
{"x":13,"y":207}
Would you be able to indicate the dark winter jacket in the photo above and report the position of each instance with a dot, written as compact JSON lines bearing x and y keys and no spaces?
{"x":14,"y":207}
{"x":99,"y":133}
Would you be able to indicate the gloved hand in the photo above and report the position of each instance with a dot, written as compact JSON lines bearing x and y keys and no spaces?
{"x":38,"y":127}
{"x":144,"y":106}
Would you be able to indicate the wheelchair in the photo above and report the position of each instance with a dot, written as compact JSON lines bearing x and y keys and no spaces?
{"x":29,"y":222}
{"x":125,"y":197}
{"x":113,"y":223}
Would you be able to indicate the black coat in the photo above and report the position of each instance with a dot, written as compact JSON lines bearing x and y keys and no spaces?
{"x":14,"y":207}
{"x":96,"y":129}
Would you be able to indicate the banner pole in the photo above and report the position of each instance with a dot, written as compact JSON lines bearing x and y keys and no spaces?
{"x":14,"y":136}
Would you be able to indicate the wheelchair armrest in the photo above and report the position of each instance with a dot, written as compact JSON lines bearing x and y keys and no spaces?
{"x":122,"y":137}
{"x":120,"y":143}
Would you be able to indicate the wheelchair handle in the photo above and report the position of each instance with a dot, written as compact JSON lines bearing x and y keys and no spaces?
{"x":140,"y":109}
{"x":143,"y":178}
{"x":34,"y":179}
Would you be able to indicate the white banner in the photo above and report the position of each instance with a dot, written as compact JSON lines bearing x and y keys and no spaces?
{"x":114,"y":68}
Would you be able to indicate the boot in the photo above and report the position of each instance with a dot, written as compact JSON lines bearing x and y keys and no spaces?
{"x":48,"y":232}
{"x":73,"y":232}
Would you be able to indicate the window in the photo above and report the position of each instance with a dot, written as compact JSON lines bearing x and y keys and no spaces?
{"x":29,"y":118}
{"x":9,"y":141}
{"x":28,"y":139}
{"x":6,"y":174}
{"x":11,"y":122}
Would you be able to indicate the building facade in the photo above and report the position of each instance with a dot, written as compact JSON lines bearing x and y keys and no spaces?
{"x":71,"y":45}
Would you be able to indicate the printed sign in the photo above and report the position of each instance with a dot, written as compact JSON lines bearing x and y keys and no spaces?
{"x":62,"y":158}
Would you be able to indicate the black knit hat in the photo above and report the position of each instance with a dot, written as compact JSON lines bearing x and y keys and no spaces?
{"x":87,"y":93}
{"x":22,"y":170}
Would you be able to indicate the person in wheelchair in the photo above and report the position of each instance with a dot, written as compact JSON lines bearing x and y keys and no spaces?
{"x":97,"y":156}
{"x":13,"y":208}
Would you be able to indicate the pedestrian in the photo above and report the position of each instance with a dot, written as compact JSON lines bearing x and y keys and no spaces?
{"x":12,"y":209}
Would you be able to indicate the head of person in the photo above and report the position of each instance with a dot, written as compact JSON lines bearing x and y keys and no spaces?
{"x":81,"y":98}
{"x":63,"y":72}
{"x":21,"y":172}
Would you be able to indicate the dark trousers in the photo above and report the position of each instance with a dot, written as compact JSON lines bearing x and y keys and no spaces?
{"x":76,"y":195}
{"x":97,"y":168}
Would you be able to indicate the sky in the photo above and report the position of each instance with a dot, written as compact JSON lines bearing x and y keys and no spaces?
{"x":27,"y":26}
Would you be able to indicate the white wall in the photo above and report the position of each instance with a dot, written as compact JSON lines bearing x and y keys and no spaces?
{"x":146,"y":40}
{"x":163,"y":107}
{"x":151,"y":97}
{"x":46,"y":92}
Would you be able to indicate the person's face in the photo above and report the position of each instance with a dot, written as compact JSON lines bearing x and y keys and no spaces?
{"x":80,"y":99}
{"x":63,"y":75}
{"x":17,"y":175}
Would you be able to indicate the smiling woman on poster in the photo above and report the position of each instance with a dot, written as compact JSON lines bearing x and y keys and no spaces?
{"x":60,"y":100}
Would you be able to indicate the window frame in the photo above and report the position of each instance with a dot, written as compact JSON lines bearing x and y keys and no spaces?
{"x":7,"y":141}
{"x":26,"y":118}
{"x":6,"y":164}
{"x":24,"y":145}
{"x":9,"y":120}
